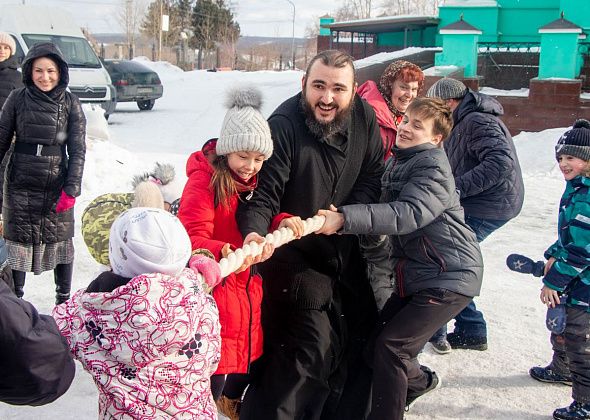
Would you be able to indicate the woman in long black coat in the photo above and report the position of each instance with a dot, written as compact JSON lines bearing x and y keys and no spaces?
{"x":10,"y":79}
{"x":44,"y":174}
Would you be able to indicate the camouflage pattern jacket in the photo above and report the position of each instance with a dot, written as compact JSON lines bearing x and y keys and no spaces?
{"x":571,"y":271}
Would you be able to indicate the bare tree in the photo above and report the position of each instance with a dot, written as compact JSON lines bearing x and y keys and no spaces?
{"x":129,"y":17}
{"x":354,"y":9}
{"x":362,"y":8}
{"x":406,"y":7}
{"x":312,"y":29}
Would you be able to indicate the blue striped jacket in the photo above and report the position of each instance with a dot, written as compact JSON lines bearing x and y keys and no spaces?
{"x":571,"y":251}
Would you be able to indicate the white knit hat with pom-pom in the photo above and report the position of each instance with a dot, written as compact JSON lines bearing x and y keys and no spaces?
{"x":244,"y":128}
{"x":147,"y":240}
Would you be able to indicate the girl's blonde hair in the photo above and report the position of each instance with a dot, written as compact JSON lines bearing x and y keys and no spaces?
{"x":222,"y":183}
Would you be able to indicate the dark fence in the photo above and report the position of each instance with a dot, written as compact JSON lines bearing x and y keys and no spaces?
{"x":584,"y":48}
{"x":505,"y":65}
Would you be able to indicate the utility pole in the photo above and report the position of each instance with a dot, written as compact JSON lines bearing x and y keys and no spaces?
{"x":292,"y":37}
{"x":160,"y":32}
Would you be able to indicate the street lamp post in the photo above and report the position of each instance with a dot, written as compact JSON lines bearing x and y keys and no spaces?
{"x":293,"y":37}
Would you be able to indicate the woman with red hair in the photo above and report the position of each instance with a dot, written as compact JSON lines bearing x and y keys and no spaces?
{"x":400,"y":83}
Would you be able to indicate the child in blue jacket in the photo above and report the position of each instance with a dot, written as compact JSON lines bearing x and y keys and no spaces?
{"x":567,"y":271}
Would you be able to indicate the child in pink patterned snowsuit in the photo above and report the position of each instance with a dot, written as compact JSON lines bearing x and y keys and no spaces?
{"x":147,"y":331}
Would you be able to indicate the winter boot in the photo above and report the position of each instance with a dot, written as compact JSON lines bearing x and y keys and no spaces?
{"x":63,"y":282}
{"x":434,"y":382}
{"x":546,"y":374}
{"x":228,"y":407}
{"x":458,"y":341}
{"x":575,"y":411}
{"x":441,"y":345}
{"x":522,"y":264}
{"x":19,"y":283}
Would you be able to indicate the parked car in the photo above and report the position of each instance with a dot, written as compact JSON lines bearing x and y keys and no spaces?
{"x":135,"y":83}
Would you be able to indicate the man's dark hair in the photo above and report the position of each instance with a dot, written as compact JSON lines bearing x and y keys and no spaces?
{"x":333,"y":58}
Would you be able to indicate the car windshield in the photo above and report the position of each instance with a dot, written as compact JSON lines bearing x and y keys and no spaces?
{"x":76,"y":51}
{"x":127,"y":66}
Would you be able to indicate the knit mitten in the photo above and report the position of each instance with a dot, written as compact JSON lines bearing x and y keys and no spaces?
{"x":208,"y":268}
{"x":522,"y":264}
{"x":556,"y":317}
{"x":65,"y":202}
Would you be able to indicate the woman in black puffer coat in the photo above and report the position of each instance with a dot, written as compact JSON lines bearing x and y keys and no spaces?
{"x":10,"y":79}
{"x":44,"y":174}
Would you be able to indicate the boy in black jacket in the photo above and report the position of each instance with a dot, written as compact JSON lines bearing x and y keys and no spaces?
{"x":439,"y":266}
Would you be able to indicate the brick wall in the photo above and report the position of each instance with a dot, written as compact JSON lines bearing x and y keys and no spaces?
{"x":550,"y":104}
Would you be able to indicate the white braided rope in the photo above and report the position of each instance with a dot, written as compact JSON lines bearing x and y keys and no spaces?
{"x":279,"y":237}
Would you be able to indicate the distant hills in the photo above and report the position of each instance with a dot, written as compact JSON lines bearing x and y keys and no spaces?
{"x":245,"y":43}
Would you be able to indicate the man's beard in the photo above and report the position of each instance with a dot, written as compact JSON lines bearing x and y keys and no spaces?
{"x":325,"y":130}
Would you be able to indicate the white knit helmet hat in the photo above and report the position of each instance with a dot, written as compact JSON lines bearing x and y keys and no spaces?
{"x":244,"y":129}
{"x":148,"y":240}
{"x":5,"y":38}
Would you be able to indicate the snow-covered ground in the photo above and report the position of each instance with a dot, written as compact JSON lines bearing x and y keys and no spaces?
{"x":493,"y":384}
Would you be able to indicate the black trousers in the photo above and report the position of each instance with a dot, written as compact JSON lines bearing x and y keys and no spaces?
{"x":407,"y":324}
{"x":232,"y":385}
{"x":313,"y":367}
{"x":571,"y":352}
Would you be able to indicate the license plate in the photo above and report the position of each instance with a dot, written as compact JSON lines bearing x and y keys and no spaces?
{"x":144,"y":90}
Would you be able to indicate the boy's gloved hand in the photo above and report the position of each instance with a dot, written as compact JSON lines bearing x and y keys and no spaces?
{"x":522,"y":264}
{"x":65,"y":202}
{"x":208,"y":268}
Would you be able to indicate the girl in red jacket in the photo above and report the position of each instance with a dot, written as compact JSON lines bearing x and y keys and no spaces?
{"x":219,"y":176}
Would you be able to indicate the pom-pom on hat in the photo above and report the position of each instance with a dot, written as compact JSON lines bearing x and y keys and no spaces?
{"x":576,"y":141}
{"x":244,"y":129}
{"x":164,"y":176}
{"x":147,"y":194}
{"x":447,"y":88}
{"x":8,"y":40}
{"x":148,"y":240}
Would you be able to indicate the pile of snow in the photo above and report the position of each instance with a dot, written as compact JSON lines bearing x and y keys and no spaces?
{"x":385,"y":57}
{"x":96,"y":124}
{"x":440,"y":70}
{"x":523,"y":92}
{"x":166,"y":71}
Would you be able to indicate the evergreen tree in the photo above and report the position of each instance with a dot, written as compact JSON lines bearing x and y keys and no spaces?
{"x":213,"y":22}
{"x":152,"y":21}
{"x":183,"y":9}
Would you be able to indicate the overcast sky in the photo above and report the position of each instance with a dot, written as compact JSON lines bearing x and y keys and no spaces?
{"x":256,"y":17}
